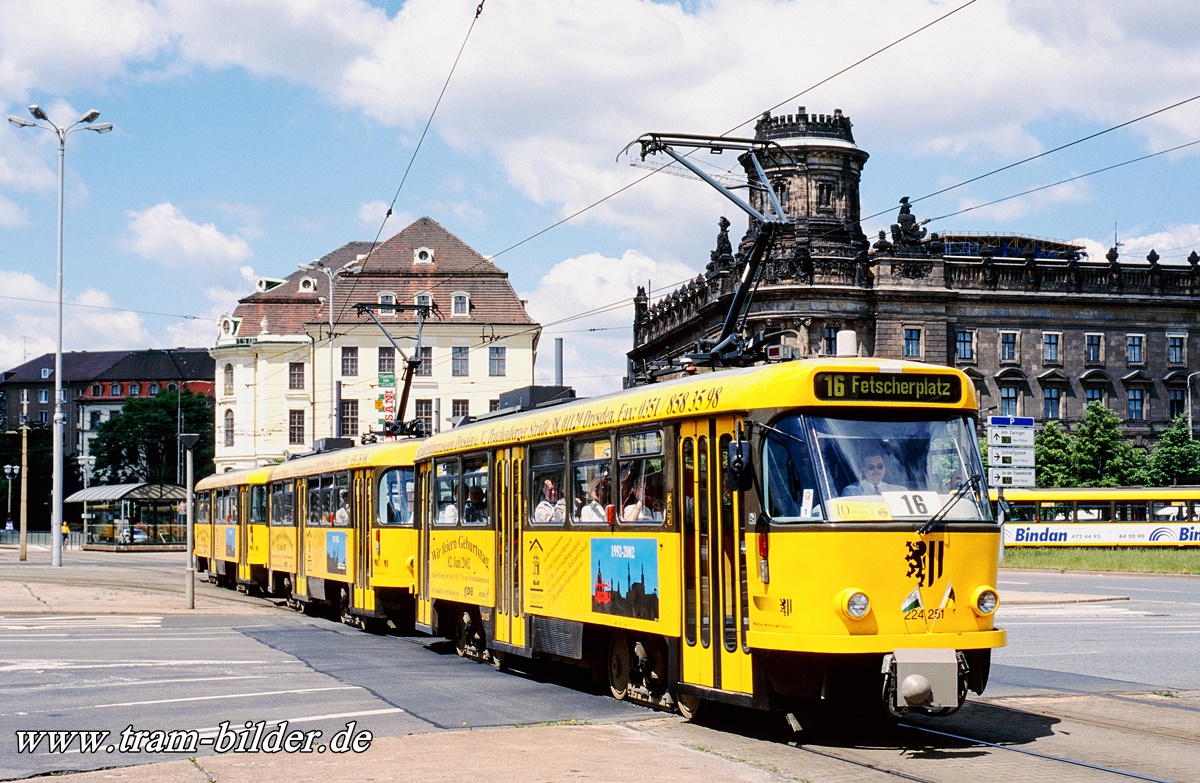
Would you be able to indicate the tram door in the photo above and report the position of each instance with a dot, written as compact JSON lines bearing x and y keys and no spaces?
{"x":507,"y":508}
{"x":425,"y":508}
{"x":716,"y":618}
{"x":363,"y":514}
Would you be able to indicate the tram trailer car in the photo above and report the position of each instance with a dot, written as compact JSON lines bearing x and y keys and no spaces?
{"x":709,"y":538}
{"x":230,"y":541}
{"x":343,"y":534}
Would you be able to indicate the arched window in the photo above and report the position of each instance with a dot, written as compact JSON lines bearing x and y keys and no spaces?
{"x":229,"y":379}
{"x":229,"y":427}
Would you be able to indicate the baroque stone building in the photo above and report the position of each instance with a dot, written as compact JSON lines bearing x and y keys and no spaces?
{"x":1041,"y":329}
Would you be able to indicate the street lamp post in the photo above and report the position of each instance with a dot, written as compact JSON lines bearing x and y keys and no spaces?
{"x":1189,"y":402}
{"x":83,"y":123}
{"x":10,"y":472}
{"x":332,"y":274}
{"x":87,"y":464}
{"x":188,"y":440}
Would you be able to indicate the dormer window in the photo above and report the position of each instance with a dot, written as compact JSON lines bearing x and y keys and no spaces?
{"x":228,"y":326}
{"x":424,"y":300}
{"x":422,"y":255}
{"x":45,"y":373}
{"x":308,"y":285}
{"x":387,"y":301}
{"x":462,"y":304}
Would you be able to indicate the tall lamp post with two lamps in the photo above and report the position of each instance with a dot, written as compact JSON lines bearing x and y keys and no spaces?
{"x":332,"y":274}
{"x":83,"y":123}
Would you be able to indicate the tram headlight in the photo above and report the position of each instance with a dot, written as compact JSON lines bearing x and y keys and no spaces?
{"x":853,"y":603}
{"x":985,"y":601}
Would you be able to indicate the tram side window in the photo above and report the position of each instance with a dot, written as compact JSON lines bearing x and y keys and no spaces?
{"x":475,"y":488}
{"x":1093,"y":512}
{"x":342,"y":500}
{"x":591,"y":484}
{"x":1132,"y":512}
{"x":227,"y":506}
{"x":446,"y":492}
{"x":258,"y":505}
{"x":283,"y":504}
{"x":546,"y":472}
{"x":1022,"y":512}
{"x":396,"y":493}
{"x":329,"y":501}
{"x":640,"y":472}
{"x":317,"y":513}
{"x":789,"y":483}
{"x":203,"y":509}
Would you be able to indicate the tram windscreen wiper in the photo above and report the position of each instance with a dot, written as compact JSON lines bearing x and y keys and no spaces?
{"x":972,"y":483}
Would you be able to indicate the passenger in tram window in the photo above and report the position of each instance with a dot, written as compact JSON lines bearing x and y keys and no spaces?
{"x":341,"y":517}
{"x":551,"y":508}
{"x":872,"y":469}
{"x":636,"y":508}
{"x":475,"y":512}
{"x":448,"y":514}
{"x":597,"y":510}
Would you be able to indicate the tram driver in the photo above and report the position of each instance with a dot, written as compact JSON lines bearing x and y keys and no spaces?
{"x":872,"y":469}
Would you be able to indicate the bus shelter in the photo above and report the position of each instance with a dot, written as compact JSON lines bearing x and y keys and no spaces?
{"x":133,"y":516}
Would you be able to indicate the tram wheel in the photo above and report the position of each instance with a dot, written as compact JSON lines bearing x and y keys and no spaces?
{"x":618,"y":666}
{"x":689,"y":706}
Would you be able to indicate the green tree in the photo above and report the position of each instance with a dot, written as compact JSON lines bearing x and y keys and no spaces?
{"x":140,"y":444}
{"x":1051,"y":450}
{"x":1100,"y":455}
{"x":1175,"y":458}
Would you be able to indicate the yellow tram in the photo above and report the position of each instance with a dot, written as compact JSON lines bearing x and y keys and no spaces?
{"x":342,"y":532}
{"x":710,"y":538}
{"x":230,"y":512}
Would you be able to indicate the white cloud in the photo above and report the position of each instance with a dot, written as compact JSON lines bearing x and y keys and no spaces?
{"x":12,"y":214}
{"x":162,"y":234}
{"x":309,"y":41}
{"x":1173,"y":245}
{"x":28,"y":313}
{"x":372,"y":214}
{"x":93,"y":41}
{"x":1015,"y":208}
{"x":594,"y":361}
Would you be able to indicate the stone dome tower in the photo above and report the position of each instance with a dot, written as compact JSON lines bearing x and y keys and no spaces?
{"x":816,"y":174}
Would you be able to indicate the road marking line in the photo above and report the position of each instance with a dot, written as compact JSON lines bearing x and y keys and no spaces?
{"x":212,"y":730}
{"x":199,"y":698}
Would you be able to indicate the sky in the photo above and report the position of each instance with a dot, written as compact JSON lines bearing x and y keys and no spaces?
{"x":252,"y":135}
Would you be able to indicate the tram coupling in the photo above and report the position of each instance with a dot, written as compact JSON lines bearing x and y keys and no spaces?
{"x":928,"y":681}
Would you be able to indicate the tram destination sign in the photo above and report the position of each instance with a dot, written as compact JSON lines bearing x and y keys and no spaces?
{"x":887,"y":387}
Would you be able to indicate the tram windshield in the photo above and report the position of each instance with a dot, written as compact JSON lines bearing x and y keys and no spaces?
{"x":834,"y":469}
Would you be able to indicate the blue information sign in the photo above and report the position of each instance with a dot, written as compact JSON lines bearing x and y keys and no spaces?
{"x":1010,"y":421}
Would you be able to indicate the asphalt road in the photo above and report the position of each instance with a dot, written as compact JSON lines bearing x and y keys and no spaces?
{"x":108,"y":673}
{"x":1145,"y":643}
